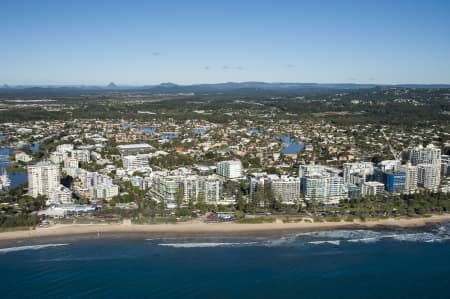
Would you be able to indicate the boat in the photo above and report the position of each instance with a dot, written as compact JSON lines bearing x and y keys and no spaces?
{"x":5,"y":182}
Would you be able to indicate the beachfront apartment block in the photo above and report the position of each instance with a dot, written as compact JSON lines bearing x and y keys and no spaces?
{"x":207,"y":188}
{"x":60,"y":195}
{"x":429,"y":176}
{"x":165,"y":186}
{"x":324,"y":188}
{"x":105,"y":191}
{"x":372,"y":188}
{"x":286,"y":189}
{"x":322,"y":184}
{"x":411,"y":180}
{"x":43,"y":178}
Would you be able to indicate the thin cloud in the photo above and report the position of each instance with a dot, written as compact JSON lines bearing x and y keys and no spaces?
{"x":290,"y":65}
{"x":156,"y":53}
{"x":237,"y":68}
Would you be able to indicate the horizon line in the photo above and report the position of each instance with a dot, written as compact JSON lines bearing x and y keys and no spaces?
{"x":210,"y":83}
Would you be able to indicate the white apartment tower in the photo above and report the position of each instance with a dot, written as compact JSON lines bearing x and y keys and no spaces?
{"x":427,"y":155}
{"x":372,"y":188}
{"x":324,"y":188}
{"x":132,"y":163}
{"x":411,"y":172}
{"x":43,"y":178}
{"x":429,"y":176}
{"x":286,"y":188}
{"x":230,"y":169}
{"x":358,"y":172}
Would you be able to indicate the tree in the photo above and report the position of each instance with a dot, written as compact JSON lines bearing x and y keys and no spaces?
{"x":179,"y":198}
{"x":259,"y":197}
{"x":313,"y":203}
{"x":162,"y":207}
{"x":240,"y":201}
{"x":201,"y":202}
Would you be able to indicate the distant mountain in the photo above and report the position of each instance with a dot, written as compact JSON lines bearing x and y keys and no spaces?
{"x":251,"y":87}
{"x":168,"y":85}
{"x":111,"y":85}
{"x":235,"y":88}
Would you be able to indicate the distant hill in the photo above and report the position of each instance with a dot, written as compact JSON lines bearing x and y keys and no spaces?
{"x":238,"y":88}
{"x":111,"y":85}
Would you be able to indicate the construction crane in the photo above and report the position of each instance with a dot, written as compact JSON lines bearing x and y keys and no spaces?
{"x":395,"y":154}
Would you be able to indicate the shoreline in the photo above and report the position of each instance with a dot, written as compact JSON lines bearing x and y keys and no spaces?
{"x":212,"y":229}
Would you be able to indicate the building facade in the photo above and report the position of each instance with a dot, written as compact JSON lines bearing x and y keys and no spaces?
{"x":425,"y":155}
{"x":287,"y":189}
{"x":43,"y":178}
{"x":232,"y":169}
{"x":429,"y":176}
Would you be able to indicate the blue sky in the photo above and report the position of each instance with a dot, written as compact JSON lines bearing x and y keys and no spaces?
{"x":148,"y":42}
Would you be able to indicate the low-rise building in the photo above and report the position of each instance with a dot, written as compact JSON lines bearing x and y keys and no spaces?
{"x":372,"y":188}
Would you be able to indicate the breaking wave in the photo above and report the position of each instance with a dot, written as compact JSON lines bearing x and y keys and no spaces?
{"x":332,"y":242}
{"x":206,"y":244}
{"x":337,"y":237}
{"x":29,"y":247}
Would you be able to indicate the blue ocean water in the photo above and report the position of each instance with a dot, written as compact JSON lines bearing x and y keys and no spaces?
{"x":328,"y":264}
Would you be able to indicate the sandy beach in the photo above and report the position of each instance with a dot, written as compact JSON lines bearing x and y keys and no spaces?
{"x":191,"y":228}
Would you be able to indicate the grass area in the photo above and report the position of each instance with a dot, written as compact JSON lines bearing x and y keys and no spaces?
{"x":292,"y":220}
{"x":256,"y":220}
{"x":154,"y":220}
{"x":333,"y":219}
{"x":16,"y":168}
{"x":15,"y":228}
{"x":81,"y":220}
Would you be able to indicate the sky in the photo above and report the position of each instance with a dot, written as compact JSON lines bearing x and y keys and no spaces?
{"x":131,"y":42}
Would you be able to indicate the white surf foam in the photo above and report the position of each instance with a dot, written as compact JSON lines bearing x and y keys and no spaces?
{"x":206,"y":244}
{"x":30,"y":247}
{"x":332,"y":242}
{"x":345,"y":234}
{"x":415,"y":237}
{"x":286,"y":240}
{"x":364,"y":240}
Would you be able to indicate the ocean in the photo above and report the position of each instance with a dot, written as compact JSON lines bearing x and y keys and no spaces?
{"x":387,"y":263}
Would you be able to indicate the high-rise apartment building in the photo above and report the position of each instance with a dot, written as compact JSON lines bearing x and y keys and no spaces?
{"x":43,"y":178}
{"x":231,"y":169}
{"x":425,"y":155}
{"x":429,"y":176}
